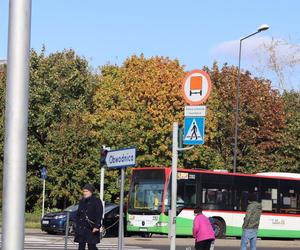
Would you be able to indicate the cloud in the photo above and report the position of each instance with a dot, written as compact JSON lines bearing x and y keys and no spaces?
{"x":230,"y":49}
{"x":256,"y":48}
{"x":275,"y":58}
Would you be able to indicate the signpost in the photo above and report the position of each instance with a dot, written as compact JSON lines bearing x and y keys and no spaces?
{"x":121,"y":158}
{"x":44,"y":176}
{"x":196,"y":88}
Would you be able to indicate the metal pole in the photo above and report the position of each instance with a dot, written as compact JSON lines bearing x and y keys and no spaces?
{"x":16,"y":124}
{"x":67,"y":230}
{"x":174,"y":186}
{"x":102,"y":186}
{"x":237,"y":107}
{"x":121,"y":227}
{"x":43,"y":204}
{"x":102,"y":183}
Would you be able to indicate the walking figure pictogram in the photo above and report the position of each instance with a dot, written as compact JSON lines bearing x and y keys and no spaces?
{"x":194,"y":131}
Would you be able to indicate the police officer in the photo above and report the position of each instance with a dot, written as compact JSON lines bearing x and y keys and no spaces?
{"x":88,"y":219}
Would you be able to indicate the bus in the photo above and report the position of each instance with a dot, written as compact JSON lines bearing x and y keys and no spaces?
{"x":223,"y":195}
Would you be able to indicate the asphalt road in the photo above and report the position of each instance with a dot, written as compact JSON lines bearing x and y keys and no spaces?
{"x":158,"y":242}
{"x":39,"y":240}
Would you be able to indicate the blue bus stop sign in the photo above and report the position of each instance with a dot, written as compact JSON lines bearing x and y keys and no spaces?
{"x":44,"y":173}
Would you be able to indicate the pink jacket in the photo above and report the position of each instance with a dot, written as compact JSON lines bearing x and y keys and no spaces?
{"x":202,"y":229}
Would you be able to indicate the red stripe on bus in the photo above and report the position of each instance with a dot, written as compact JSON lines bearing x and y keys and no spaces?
{"x":219,"y":173}
{"x":238,"y":212}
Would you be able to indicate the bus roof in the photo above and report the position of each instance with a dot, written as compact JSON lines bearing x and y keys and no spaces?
{"x":280,"y":174}
{"x":271,"y":175}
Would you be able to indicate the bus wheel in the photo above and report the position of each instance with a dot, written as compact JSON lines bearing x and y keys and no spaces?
{"x":219,"y":228}
{"x":146,"y":235}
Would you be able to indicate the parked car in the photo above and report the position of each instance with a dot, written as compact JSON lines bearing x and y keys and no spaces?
{"x":56,"y":222}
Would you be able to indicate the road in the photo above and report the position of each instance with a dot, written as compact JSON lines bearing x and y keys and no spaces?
{"x":38,"y":240}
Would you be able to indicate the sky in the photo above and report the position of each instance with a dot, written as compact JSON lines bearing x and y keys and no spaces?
{"x":195,"y":32}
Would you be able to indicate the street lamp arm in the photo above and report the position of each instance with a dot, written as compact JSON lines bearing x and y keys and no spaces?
{"x":250,"y":35}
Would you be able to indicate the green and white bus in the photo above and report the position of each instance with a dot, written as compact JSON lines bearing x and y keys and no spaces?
{"x":224,"y":197}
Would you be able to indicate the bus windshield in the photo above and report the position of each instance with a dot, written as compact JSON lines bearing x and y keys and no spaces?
{"x":146,"y":192}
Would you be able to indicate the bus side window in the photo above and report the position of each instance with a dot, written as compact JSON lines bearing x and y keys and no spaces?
{"x":216,"y":198}
{"x":186,"y":194}
{"x":289,"y":197}
{"x":190,"y":197}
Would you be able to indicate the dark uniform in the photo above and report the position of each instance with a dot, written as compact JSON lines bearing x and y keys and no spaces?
{"x":89,"y":216}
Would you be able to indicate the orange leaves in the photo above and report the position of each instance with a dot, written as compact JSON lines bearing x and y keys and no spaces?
{"x":136,"y":104}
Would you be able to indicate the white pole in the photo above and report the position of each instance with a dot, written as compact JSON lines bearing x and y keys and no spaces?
{"x":121,"y":231}
{"x":102,"y":172}
{"x":43,"y":204}
{"x":16,"y":125}
{"x":174,"y":186}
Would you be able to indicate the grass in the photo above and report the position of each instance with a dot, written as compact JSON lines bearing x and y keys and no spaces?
{"x":32,"y":220}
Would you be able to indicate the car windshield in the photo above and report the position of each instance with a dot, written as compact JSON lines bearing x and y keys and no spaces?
{"x":146,"y":192}
{"x":71,"y":208}
{"x":109,"y":207}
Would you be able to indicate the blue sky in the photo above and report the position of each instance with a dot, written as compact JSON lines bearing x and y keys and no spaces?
{"x":196,"y":32}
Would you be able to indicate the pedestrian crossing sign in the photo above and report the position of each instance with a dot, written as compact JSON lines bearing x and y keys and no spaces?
{"x":193,"y":130}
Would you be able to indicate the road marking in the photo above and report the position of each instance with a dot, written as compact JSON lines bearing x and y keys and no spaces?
{"x":41,"y":242}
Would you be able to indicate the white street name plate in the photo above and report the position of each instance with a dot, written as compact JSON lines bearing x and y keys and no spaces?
{"x":194,"y":111}
{"x":121,"y":158}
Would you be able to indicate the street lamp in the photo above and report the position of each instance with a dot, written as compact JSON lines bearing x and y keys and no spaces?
{"x":259,"y":29}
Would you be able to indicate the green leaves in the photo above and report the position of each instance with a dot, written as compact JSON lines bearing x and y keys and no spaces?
{"x":61,"y":86}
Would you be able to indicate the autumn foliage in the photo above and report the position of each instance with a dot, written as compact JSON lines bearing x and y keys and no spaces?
{"x":74,"y":111}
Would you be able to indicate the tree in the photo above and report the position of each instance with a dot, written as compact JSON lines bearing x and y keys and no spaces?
{"x":280,"y":62}
{"x":61,"y":87}
{"x":290,"y":152}
{"x":261,"y":119}
{"x":2,"y":110}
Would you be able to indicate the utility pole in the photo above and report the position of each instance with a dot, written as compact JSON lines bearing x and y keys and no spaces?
{"x":16,"y":125}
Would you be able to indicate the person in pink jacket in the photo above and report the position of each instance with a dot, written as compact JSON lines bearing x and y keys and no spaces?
{"x":202,"y":231}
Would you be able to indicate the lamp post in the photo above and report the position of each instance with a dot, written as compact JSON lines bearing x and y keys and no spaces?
{"x":259,"y":29}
